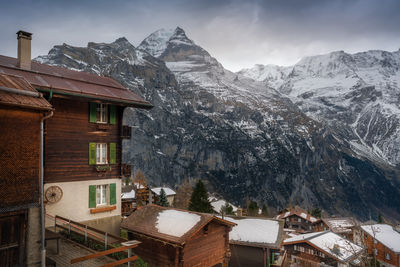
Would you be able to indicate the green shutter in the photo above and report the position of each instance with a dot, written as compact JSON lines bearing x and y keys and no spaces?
{"x":113,"y":112}
{"x":92,"y":153}
{"x":113,"y":194}
{"x":93,"y":112}
{"x":92,"y":196}
{"x":113,"y":153}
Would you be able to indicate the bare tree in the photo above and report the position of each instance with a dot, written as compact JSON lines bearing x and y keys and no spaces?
{"x":140,"y":178}
{"x":183,"y":194}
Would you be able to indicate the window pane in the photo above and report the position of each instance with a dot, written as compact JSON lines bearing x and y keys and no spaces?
{"x":98,"y":194}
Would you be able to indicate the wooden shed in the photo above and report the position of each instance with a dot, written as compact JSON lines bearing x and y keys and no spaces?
{"x":172,"y":237}
{"x":256,"y":242}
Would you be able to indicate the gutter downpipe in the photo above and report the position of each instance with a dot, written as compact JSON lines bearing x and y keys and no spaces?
{"x":43,"y":253}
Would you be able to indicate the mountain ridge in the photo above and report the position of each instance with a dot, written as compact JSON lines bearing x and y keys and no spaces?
{"x":243,"y":138}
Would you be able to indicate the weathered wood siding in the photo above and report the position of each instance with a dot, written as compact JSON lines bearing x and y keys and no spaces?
{"x":19,"y":157}
{"x":153,"y":252}
{"x":206,"y":247}
{"x":68,"y":134}
{"x":382,"y":250}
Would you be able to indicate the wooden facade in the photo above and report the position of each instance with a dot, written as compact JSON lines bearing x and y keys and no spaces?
{"x":381,"y":252}
{"x":21,"y":110}
{"x":68,"y":134}
{"x":205,"y":244}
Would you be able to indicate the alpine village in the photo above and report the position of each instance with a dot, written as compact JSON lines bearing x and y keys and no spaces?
{"x":70,"y":197}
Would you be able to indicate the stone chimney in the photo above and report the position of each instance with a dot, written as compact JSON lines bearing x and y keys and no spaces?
{"x":24,"y":50}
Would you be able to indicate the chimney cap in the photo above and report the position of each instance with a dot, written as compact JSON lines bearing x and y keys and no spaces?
{"x":24,"y":34}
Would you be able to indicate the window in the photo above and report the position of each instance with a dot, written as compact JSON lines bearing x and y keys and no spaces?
{"x":299,"y":219}
{"x":102,"y":113}
{"x":101,"y":153}
{"x":101,"y":194}
{"x":376,"y":251}
{"x":387,"y":256}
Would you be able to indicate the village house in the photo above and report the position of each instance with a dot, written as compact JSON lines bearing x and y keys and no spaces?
{"x":256,"y":242}
{"x":383,"y":243}
{"x":345,"y":227}
{"x":172,"y":237}
{"x":322,"y":249}
{"x":169,"y":193}
{"x":22,"y":108}
{"x":83,"y":167}
{"x":218,"y":206}
{"x":298,"y":219}
{"x":128,"y":200}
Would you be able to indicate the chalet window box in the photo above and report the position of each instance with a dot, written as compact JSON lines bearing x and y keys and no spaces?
{"x":102,"y":209}
{"x":103,"y":127}
{"x":103,"y":168}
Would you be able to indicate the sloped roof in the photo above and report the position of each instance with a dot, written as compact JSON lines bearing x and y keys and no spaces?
{"x":75,"y":83}
{"x":168,"y":224}
{"x":218,"y":204}
{"x":385,"y":234}
{"x":340,"y":225}
{"x":256,"y":232}
{"x":299,"y":212}
{"x":330,"y":243}
{"x":16,"y":91}
{"x":168,"y":191}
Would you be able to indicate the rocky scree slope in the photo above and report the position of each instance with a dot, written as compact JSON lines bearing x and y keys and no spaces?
{"x":246,"y":140}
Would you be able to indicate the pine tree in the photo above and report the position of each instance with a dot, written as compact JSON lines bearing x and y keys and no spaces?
{"x":252,"y":209}
{"x":316,"y":213}
{"x":264,"y":211}
{"x":380,"y":218}
{"x":199,"y":199}
{"x":163,"y":201}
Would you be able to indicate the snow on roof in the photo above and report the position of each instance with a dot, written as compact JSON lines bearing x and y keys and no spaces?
{"x":331,"y":243}
{"x":299,"y":212}
{"x":168,"y":191}
{"x":254,"y":230}
{"x":385,"y":234}
{"x":340,"y":225}
{"x":128,"y":195}
{"x":217,"y":205}
{"x":139,"y":186}
{"x":176,"y":223}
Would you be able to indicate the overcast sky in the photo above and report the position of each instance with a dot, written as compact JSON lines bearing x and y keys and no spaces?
{"x":237,"y":33}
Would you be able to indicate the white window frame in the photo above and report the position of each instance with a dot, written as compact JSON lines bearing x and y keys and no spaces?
{"x":102,"y":113}
{"x":387,"y":256}
{"x":101,"y":153}
{"x":102,"y":194}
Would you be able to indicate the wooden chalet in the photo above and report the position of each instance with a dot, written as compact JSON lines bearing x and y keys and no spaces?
{"x":22,"y":108}
{"x":83,"y":139}
{"x":169,"y":193}
{"x":298,"y":219}
{"x":345,"y":227}
{"x":128,"y":200}
{"x":322,"y":249}
{"x":383,"y":243}
{"x":256,"y":242}
{"x":172,"y":237}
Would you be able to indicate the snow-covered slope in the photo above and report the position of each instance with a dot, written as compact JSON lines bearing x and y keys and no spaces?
{"x":355,"y":94}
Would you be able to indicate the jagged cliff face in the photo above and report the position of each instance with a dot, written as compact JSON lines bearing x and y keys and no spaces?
{"x":356,"y":94}
{"x":245,"y":138}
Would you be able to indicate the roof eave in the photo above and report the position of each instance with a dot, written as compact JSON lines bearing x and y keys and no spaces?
{"x":134,"y":104}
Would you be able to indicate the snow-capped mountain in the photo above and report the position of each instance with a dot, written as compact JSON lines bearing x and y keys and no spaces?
{"x":244,"y":138}
{"x":355,"y":94}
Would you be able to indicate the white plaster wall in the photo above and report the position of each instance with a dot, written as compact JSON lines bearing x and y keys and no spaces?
{"x":74,"y":203}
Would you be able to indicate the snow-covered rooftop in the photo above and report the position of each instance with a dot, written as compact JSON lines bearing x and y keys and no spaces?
{"x":176,"y":223}
{"x":168,"y":191}
{"x":385,"y":234}
{"x":255,"y":230}
{"x":217,"y":205}
{"x":331,"y":243}
{"x":127,"y":195}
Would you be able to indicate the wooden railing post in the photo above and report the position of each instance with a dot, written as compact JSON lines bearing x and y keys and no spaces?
{"x":105,"y":241}
{"x":55,"y":224}
{"x":69,"y":228}
{"x":85,"y":233}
